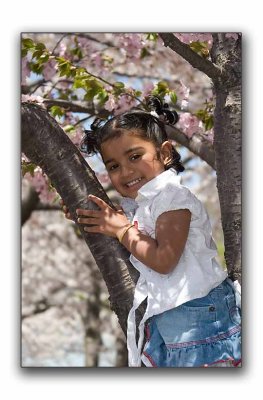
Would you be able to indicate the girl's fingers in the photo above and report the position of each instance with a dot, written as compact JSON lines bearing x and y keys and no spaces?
{"x":89,"y":221}
{"x":94,"y":229}
{"x":101,"y":203}
{"x":88,"y":213}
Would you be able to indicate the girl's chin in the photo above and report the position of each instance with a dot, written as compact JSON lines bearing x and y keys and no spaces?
{"x":133,"y":190}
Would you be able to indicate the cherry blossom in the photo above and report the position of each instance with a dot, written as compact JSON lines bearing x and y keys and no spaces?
{"x":40,"y":183}
{"x":131,"y":44}
{"x":49,"y":70}
{"x":189,"y":124}
{"x":25,"y":70}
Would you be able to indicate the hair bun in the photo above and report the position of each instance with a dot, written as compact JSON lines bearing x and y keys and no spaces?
{"x":89,"y":143}
{"x":162,"y":110}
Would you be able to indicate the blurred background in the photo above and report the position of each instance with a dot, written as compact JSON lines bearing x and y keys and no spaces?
{"x":66,"y":320}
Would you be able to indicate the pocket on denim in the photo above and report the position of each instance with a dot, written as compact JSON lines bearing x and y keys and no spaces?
{"x":199,"y":313}
{"x":186,"y":323}
{"x":234,"y":311}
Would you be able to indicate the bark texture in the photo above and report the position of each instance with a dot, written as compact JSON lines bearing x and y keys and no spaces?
{"x":226,"y":54}
{"x":45,"y":143}
{"x":225,"y":72}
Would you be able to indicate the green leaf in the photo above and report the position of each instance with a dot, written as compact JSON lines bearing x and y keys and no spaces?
{"x":137,"y":93}
{"x":200,"y":114}
{"x":69,"y":128}
{"x":102,"y":97}
{"x":43,"y":58}
{"x":37,"y":54}
{"x":40,"y":46}
{"x":144,"y":53}
{"x":24,"y":53}
{"x":161,"y":89}
{"x":28,"y":167}
{"x":77,"y":52}
{"x":173,"y":97}
{"x":57,"y":111}
{"x":152,"y":36}
{"x":200,"y":48}
{"x":206,"y":117}
{"x":119,"y":85}
{"x":90,"y":94}
{"x":209,"y":123}
{"x":36,"y":67}
{"x":64,"y":69}
{"x":28,"y":43}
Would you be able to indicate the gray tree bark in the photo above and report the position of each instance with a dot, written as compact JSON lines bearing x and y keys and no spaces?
{"x":225,"y":72}
{"x":226,"y":54}
{"x":45,"y":143}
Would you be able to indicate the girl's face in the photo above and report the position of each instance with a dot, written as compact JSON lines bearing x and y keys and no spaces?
{"x":132,"y":161}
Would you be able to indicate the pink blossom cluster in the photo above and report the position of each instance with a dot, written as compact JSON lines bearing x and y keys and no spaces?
{"x":209,"y":135}
{"x":30,"y":98}
{"x":40,"y":183}
{"x":110,"y":103}
{"x":77,"y":136}
{"x":131,"y":44}
{"x":120,"y":105}
{"x":189,"y":124}
{"x":232,"y":35}
{"x":49,"y":70}
{"x":183,"y":93}
{"x":195,"y":37}
{"x":25,"y":70}
{"x":147,"y":89}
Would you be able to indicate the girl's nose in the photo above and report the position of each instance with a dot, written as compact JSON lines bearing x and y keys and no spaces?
{"x":127,"y":170}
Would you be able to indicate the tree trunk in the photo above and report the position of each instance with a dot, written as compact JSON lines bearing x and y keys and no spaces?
{"x":226,"y":54}
{"x":46,"y":144}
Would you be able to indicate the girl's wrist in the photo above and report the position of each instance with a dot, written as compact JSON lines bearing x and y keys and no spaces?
{"x":122,"y":231}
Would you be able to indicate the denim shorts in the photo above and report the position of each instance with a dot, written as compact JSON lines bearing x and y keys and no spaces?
{"x":204,"y":332}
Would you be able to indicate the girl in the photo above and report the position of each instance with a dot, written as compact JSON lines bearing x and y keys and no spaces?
{"x":193,"y":319}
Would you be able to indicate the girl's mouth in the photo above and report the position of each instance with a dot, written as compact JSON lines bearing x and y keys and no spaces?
{"x":133,"y":183}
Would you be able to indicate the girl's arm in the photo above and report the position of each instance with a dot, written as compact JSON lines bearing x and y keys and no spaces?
{"x":163,"y":253}
{"x":160,"y":254}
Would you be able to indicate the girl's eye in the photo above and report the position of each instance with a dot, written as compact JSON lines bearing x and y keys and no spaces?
{"x":112,"y":167}
{"x":135,"y":157}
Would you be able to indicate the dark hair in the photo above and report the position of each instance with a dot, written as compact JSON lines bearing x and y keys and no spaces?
{"x":150,"y":127}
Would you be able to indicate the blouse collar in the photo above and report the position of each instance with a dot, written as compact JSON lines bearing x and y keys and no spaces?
{"x":157,"y":184}
{"x":150,"y":189}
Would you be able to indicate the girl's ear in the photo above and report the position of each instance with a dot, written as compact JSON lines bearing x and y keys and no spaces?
{"x":166,"y":152}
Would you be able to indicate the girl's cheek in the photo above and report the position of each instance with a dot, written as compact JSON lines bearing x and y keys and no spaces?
{"x":113,"y":179}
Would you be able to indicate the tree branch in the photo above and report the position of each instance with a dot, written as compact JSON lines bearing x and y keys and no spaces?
{"x":29,"y":203}
{"x":207,"y":67}
{"x":70,"y":106}
{"x":45,"y":143}
{"x":196,"y":144}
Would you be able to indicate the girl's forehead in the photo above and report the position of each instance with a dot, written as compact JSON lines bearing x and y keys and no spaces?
{"x":124,"y":140}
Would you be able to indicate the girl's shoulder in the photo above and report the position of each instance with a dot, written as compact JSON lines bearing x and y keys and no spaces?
{"x":175,"y":191}
{"x":174,"y":197}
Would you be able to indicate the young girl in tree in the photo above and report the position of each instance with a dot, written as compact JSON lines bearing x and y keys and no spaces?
{"x":192,"y":318}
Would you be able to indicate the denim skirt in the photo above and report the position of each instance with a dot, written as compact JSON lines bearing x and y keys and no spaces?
{"x":204,"y":332}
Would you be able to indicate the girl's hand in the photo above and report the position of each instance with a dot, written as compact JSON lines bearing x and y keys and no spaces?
{"x":106,"y":220}
{"x":65,"y":210}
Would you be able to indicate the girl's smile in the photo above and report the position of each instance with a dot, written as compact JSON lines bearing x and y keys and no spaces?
{"x":132,"y":161}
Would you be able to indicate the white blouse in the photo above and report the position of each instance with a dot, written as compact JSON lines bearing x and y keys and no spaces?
{"x":197,"y":271}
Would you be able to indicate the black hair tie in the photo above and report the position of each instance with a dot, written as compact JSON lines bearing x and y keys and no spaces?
{"x":89,"y":143}
{"x":156,"y":104}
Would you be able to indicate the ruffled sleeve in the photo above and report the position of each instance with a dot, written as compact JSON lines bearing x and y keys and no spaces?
{"x":176,"y":198}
